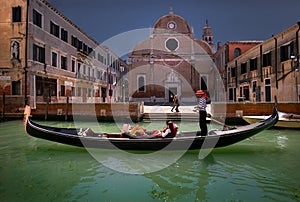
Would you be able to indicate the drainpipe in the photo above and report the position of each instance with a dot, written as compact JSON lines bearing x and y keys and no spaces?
{"x":276,"y":62}
{"x":261,"y":63}
{"x":297,"y":44}
{"x":297,"y":57}
{"x":236,"y":76}
{"x":26,"y":53}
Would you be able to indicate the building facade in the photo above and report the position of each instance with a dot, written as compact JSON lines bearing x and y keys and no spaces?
{"x":46,"y":58}
{"x":228,"y":52}
{"x":172,"y":61}
{"x":267,"y":70}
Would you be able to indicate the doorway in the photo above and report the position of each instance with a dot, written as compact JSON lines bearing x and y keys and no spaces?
{"x":172,"y":92}
{"x":268,"y":90}
{"x":246,"y":93}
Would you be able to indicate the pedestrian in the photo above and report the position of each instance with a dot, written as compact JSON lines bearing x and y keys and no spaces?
{"x":202,"y":112}
{"x":175,"y":103}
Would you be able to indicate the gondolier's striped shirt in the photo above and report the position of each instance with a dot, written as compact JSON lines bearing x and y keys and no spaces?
{"x":202,"y":103}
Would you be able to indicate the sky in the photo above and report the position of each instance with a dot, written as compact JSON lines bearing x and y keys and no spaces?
{"x":231,"y":20}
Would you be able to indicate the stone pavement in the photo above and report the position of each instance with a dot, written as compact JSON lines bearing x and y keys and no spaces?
{"x":167,"y":109}
{"x":164,"y":112}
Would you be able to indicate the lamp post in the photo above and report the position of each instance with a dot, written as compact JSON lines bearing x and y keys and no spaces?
{"x":110,"y":91}
{"x":122,"y":82}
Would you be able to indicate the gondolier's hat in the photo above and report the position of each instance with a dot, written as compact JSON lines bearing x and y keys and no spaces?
{"x":200,"y":92}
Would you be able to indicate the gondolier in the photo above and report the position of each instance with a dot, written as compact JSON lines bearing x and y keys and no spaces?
{"x":202,"y":112}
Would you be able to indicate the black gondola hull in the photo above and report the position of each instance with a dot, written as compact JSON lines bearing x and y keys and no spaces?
{"x":183,"y":141}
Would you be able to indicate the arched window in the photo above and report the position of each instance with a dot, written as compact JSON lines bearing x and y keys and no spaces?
{"x":237,"y":52}
{"x":141,"y":83}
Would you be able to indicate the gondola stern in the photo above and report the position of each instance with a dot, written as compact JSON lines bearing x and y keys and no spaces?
{"x":275,"y":110}
{"x":275,"y":114}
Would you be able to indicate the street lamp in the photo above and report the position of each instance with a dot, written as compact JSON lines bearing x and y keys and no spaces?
{"x":110,"y":91}
{"x":295,"y":63}
{"x":122,"y":82}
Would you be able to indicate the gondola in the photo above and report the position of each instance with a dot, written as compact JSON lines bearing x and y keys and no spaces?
{"x":285,"y":120}
{"x":183,"y":141}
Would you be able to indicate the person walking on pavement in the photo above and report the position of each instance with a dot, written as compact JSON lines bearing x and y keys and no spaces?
{"x":202,"y":112}
{"x":175,"y":104}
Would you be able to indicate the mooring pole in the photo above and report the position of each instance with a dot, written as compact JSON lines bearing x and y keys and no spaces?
{"x":3,"y":105}
{"x":47,"y":108}
{"x":67,"y":105}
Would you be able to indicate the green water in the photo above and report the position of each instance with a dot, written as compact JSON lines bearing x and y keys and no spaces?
{"x":265,"y":168}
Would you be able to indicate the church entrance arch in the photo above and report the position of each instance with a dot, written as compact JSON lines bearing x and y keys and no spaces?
{"x":172,"y":93}
{"x":172,"y":86}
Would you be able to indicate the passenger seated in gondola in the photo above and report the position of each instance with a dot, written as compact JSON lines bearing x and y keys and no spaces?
{"x":87,"y":132}
{"x":169,"y":132}
{"x":138,"y":130}
{"x":133,"y":130}
{"x":126,"y":128}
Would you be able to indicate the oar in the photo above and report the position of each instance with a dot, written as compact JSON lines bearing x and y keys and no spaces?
{"x":215,"y":120}
{"x":219,"y":122}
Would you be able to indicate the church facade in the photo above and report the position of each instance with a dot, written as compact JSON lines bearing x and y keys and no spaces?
{"x":172,"y":61}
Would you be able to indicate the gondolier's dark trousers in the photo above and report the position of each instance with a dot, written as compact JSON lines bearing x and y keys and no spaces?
{"x":202,"y":122}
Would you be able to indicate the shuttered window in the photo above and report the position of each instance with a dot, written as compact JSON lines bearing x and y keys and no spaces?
{"x":16,"y":14}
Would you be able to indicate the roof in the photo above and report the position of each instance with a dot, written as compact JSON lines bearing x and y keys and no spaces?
{"x":181,"y":25}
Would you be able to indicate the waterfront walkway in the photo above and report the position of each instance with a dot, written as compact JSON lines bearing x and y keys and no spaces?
{"x":157,"y":112}
{"x":167,"y":109}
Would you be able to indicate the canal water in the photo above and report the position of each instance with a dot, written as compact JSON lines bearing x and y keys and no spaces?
{"x":263,"y":168}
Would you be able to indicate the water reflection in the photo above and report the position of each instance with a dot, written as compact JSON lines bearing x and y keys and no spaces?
{"x":232,"y":174}
{"x":258,"y":169}
{"x":282,"y":141}
{"x":188,"y":177}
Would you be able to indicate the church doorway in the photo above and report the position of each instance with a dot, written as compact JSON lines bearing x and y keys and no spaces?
{"x":172,"y":93}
